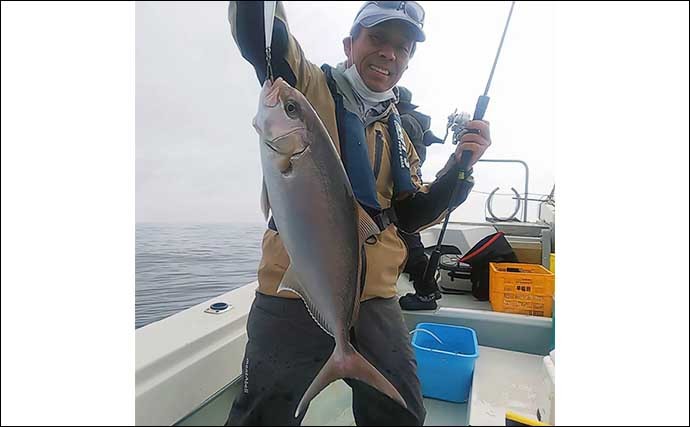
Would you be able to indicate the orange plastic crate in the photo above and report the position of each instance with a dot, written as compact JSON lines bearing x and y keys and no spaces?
{"x":525,"y":289}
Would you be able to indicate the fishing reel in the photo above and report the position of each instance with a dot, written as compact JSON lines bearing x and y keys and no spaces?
{"x":457,"y":123}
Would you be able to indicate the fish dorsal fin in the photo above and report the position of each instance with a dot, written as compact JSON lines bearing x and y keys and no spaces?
{"x":291,"y":282}
{"x":265,"y":204}
{"x":366,"y":226}
{"x":361,"y":281}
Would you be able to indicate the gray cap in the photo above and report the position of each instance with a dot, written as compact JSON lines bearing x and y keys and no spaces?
{"x":374,"y":13}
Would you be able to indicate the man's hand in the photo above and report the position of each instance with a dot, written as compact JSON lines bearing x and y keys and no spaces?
{"x":475,"y":142}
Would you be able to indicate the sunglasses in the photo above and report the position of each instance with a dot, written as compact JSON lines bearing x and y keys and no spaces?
{"x":411,"y":8}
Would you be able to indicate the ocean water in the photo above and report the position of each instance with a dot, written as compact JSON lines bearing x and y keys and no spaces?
{"x":181,"y":265}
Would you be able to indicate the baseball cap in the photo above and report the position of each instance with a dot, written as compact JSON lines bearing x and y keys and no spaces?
{"x":375,"y":12}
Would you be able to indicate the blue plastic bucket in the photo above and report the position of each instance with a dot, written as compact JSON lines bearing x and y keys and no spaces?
{"x":445,"y":360}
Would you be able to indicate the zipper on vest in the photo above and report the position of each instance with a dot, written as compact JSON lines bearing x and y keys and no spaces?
{"x":379,"y":153}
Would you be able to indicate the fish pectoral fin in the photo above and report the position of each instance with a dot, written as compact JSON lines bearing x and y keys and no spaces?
{"x":366,"y":226}
{"x":265,"y":204}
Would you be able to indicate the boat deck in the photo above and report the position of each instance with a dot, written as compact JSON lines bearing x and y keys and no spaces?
{"x":502,"y":380}
{"x":507,"y":373}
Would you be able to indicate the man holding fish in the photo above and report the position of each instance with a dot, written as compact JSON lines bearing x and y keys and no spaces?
{"x":340,"y":179}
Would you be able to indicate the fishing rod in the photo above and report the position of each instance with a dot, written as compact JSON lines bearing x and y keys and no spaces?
{"x":458,"y":122}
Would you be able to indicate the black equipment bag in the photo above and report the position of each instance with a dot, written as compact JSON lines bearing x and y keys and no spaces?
{"x":492,"y":248}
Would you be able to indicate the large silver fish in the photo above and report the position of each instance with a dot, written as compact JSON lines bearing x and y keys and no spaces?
{"x":322,"y":226}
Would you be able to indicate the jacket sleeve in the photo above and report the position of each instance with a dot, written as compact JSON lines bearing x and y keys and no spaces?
{"x":429,"y":205}
{"x":287,"y":59}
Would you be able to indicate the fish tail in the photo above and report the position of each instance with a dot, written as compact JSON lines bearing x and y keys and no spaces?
{"x":347,"y":362}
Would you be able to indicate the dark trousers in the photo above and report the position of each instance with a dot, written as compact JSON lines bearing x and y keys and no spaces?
{"x":286,"y":349}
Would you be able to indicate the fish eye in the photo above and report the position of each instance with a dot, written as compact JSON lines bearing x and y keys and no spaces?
{"x":291,"y":109}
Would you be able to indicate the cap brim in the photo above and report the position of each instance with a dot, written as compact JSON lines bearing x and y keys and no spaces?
{"x":377,"y":18}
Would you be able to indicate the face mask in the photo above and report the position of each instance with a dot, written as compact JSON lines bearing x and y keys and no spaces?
{"x":358,"y":85}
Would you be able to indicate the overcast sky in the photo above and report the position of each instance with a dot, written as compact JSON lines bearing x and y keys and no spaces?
{"x":197,"y":157}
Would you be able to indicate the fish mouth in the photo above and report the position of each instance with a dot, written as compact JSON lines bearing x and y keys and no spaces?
{"x":271,"y":92}
{"x":296,"y":155}
{"x":293,"y":156}
{"x":271,"y":144}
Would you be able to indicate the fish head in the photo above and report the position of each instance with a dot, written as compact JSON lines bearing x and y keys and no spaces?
{"x":282,"y":122}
